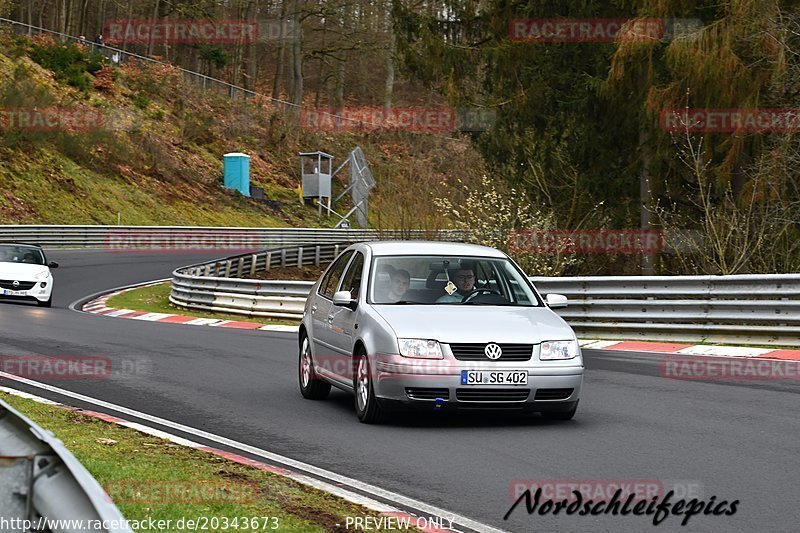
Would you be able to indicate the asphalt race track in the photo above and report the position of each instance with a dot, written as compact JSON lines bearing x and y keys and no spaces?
{"x":733,"y":440}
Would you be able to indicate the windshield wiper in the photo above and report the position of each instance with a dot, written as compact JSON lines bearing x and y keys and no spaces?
{"x":404,"y":302}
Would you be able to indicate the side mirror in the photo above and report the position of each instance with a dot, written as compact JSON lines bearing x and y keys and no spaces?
{"x":344,"y":299}
{"x":555,"y":301}
{"x":52,"y":264}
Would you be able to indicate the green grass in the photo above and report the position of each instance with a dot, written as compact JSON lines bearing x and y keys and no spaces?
{"x":152,"y":464}
{"x":81,"y":195}
{"x":155,"y":299}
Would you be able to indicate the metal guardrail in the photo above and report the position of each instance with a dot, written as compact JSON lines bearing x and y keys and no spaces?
{"x":218,"y":285}
{"x":124,"y":239}
{"x":39,"y":477}
{"x":747,"y":309}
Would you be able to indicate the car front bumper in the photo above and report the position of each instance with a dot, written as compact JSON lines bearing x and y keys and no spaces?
{"x":35,"y":293}
{"x":437,"y":385}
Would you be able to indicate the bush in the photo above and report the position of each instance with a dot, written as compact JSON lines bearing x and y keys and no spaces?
{"x":69,"y":62}
{"x":491,"y":215}
{"x":141,"y":101}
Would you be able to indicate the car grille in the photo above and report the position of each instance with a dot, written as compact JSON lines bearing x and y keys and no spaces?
{"x":474,"y":352}
{"x":492,"y":395}
{"x":553,"y":394}
{"x":427,"y":393}
{"x":23,"y":285}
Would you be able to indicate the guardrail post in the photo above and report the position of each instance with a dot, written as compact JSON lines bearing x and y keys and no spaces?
{"x":335,"y":251}
{"x":269,"y":260}
{"x":283,"y":257}
{"x":299,"y":257}
{"x":316,"y":255}
{"x":208,"y":270}
{"x":253,"y":259}
{"x":228,"y":268}
{"x":240,"y":267}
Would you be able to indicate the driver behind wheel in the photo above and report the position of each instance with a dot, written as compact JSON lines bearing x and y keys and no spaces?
{"x":464,"y":280}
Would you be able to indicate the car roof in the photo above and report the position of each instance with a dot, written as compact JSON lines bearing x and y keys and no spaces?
{"x":380,"y":248}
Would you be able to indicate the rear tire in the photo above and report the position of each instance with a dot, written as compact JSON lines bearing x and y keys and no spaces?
{"x":367,"y":407}
{"x":310,"y":387}
{"x":48,"y":303}
{"x":561,"y":415}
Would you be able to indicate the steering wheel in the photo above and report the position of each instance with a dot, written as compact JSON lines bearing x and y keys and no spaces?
{"x":474,"y":292}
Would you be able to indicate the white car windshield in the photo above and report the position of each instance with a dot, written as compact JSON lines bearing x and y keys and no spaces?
{"x":12,"y":253}
{"x":449,"y":280}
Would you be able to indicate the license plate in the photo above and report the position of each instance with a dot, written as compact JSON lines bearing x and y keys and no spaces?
{"x":494,"y":377}
{"x":6,"y":292}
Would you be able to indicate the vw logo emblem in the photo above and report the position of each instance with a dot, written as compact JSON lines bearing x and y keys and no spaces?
{"x":15,"y":284}
{"x":493,"y":351}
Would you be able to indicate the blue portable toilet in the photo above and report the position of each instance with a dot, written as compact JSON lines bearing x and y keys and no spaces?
{"x":237,"y":172}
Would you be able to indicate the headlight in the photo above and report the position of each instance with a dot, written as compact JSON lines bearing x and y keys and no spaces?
{"x":558,"y":350}
{"x":420,"y":348}
{"x":42,"y":275}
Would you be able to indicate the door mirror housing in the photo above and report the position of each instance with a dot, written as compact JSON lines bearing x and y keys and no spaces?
{"x":344,"y":299}
{"x":556,"y":301}
{"x":52,"y":264}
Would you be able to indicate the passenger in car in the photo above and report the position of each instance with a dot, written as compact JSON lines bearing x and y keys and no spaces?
{"x":400,"y":281}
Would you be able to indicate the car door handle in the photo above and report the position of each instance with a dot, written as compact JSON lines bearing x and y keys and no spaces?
{"x":330,"y":318}
{"x":313,"y":308}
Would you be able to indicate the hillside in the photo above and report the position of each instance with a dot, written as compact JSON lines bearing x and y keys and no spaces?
{"x":157,"y":159}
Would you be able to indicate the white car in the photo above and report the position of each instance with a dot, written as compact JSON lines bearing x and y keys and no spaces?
{"x":25,"y":274}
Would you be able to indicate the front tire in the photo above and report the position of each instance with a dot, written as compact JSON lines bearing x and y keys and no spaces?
{"x":310,"y":387}
{"x":367,"y":407}
{"x":47,"y":303}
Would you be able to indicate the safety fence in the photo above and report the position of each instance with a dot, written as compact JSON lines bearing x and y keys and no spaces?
{"x":39,"y":477}
{"x":746,"y":309}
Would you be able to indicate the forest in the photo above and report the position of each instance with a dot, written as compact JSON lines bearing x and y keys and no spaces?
{"x":674,"y":116}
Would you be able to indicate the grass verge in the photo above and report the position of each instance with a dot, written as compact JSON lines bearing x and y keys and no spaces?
{"x":151,"y":478}
{"x":155,"y":299}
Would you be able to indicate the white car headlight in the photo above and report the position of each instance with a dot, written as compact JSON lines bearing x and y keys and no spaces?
{"x":420,"y":348}
{"x":43,"y":275}
{"x":552,"y":350}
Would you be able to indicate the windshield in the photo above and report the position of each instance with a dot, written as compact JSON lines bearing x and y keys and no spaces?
{"x":449,"y":280}
{"x":11,"y":253}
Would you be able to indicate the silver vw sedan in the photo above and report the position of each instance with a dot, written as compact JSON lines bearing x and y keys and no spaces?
{"x":437,"y":325}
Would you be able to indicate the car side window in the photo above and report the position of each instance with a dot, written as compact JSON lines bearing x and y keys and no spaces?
{"x":352,"y":278}
{"x":331,"y":280}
